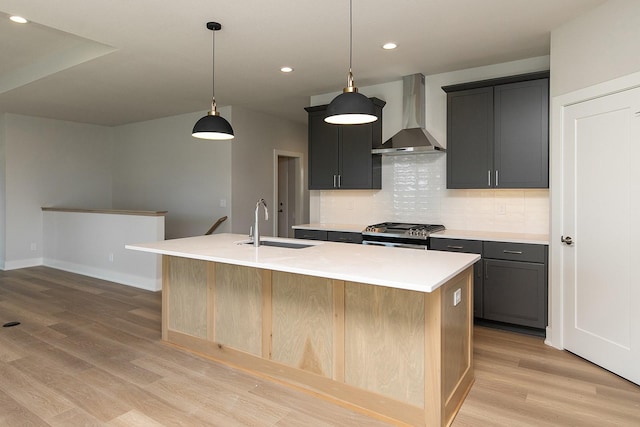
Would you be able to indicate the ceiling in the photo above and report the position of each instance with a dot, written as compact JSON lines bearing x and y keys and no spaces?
{"x":120,"y":61}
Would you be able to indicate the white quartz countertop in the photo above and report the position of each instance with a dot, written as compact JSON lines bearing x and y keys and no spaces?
{"x":492,"y":236}
{"x":411,"y":269}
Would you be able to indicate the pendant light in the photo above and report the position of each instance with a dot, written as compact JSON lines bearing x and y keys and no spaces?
{"x":213,"y":126}
{"x":350,"y":107}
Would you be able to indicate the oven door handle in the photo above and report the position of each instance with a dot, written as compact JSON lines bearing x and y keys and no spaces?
{"x":394,"y":245}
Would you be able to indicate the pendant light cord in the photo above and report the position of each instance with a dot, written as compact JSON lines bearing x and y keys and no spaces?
{"x":213,"y":69}
{"x":350,"y":34}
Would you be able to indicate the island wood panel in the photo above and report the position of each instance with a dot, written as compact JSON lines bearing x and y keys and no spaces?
{"x":457,"y":344}
{"x":302,"y":310}
{"x":187,"y":297}
{"x":249,"y":302}
{"x":238,"y":307}
{"x":384,"y":341}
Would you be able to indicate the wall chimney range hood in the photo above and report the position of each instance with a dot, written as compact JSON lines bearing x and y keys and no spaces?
{"x":413,"y":138}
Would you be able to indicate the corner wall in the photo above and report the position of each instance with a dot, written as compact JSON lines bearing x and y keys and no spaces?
{"x":257,"y":136}
{"x":2,"y":192}
{"x":49,"y":163}
{"x":598,"y":46}
{"x":159,"y":166}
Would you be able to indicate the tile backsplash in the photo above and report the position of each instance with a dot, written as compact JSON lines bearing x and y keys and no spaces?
{"x":414,"y":190}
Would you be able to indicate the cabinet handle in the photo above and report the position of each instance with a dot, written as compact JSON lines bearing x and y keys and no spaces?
{"x":489,"y":178}
{"x":496,"y":177}
{"x":334,"y":181}
{"x":455,"y":247}
{"x":339,"y":181}
{"x":512,"y":252}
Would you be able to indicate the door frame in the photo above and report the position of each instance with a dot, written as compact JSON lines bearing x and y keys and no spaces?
{"x":299,"y":191}
{"x":555,"y":329}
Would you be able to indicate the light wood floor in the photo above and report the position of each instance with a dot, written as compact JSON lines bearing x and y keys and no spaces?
{"x":88,"y":352}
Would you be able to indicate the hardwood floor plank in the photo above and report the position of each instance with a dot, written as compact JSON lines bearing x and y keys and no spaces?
{"x":75,"y":417}
{"x":88,"y":353}
{"x":12,"y":413}
{"x":134,"y":418}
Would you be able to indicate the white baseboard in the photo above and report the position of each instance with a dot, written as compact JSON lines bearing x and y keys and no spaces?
{"x":22,"y":263}
{"x":147,"y":283}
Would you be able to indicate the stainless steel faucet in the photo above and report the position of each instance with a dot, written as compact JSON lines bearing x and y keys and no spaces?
{"x":256,"y":233}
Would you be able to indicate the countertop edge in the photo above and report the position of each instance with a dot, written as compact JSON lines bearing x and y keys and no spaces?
{"x":492,"y":236}
{"x":279,"y":263}
{"x":106,"y":211}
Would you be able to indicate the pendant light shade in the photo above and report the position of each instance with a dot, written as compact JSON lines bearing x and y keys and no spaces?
{"x":213,"y":126}
{"x":350,"y":107}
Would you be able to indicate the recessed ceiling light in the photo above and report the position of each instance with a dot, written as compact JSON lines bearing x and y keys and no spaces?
{"x":286,"y":69}
{"x":18,"y":19}
{"x":389,"y":46}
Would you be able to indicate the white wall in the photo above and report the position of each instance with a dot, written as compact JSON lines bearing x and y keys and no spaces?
{"x":257,"y":136}
{"x":594,"y":48}
{"x":599,"y":46}
{"x":414,"y":186}
{"x":49,"y":163}
{"x":93,"y":244}
{"x":159,"y":166}
{"x":2,"y":192}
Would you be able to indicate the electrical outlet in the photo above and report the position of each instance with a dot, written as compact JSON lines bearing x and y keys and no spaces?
{"x":111,"y":257}
{"x":223,"y":203}
{"x":457,"y":297}
{"x":502,"y":209}
{"x":34,"y":246}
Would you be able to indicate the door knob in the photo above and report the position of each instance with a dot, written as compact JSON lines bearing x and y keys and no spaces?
{"x":566,"y":240}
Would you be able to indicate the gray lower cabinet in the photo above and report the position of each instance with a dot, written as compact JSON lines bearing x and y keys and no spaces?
{"x":515,"y":292}
{"x":510,"y":284}
{"x":299,"y":233}
{"x":468,"y":247}
{"x":328,"y":235}
{"x":515,"y":283}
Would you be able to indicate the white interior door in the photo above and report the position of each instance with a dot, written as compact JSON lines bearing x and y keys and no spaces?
{"x":601,"y":214}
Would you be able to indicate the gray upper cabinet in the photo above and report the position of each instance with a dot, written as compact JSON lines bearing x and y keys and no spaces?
{"x":340,"y":155}
{"x":498,"y":133}
{"x":469,"y":138}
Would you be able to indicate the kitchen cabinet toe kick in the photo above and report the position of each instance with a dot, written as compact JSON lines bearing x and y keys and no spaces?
{"x":398,"y":355}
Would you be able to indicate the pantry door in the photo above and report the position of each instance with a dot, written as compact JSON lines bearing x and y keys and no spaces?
{"x":601,"y":216}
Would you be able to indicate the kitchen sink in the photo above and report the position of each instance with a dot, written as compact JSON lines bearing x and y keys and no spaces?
{"x":278,"y":244}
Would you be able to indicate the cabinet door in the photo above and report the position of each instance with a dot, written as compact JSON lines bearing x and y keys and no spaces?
{"x":323,"y":152}
{"x":521,"y":158}
{"x":356,"y":157}
{"x":470,"y":138}
{"x":515,"y":292}
{"x":303,"y":233}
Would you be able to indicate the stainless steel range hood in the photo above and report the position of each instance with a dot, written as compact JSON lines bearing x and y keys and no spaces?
{"x":413,"y":138}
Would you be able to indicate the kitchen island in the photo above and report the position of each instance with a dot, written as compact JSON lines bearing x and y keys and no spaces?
{"x":377,"y":329}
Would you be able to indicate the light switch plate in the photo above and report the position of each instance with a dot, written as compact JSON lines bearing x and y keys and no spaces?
{"x":457,"y":297}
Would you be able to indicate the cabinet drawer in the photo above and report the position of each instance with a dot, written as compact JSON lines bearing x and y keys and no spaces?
{"x":310,"y":234}
{"x":343,"y":236}
{"x":456,"y":245}
{"x":515,"y":251}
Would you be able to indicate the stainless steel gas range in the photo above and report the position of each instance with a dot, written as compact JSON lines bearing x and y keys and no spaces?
{"x":398,"y":234}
